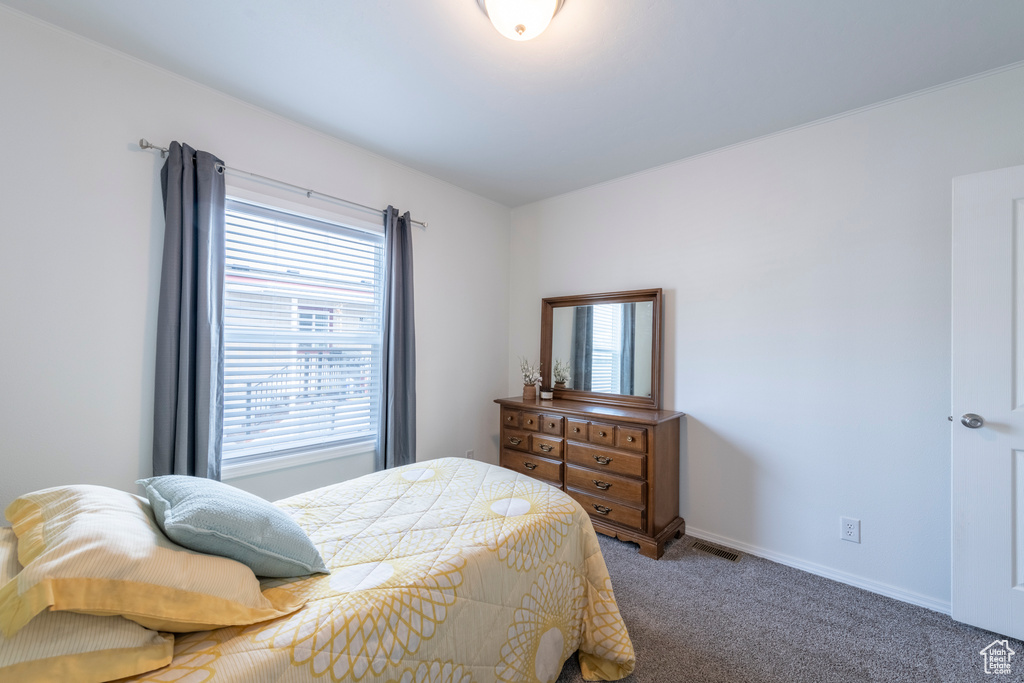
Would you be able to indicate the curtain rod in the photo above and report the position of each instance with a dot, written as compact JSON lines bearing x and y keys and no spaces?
{"x":146,"y":144}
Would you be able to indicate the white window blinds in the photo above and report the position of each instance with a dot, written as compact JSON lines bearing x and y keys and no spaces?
{"x":302,"y":332}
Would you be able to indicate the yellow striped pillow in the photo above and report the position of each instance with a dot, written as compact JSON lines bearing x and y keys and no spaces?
{"x":98,"y":550}
{"x":75,"y":648}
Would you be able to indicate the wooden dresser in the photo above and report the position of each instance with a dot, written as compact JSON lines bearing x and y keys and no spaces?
{"x":621,"y":464}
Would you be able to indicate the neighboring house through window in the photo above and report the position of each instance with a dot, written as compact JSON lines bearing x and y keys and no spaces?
{"x":302,"y":333}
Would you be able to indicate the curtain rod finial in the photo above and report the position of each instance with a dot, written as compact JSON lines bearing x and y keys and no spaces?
{"x":146,"y":144}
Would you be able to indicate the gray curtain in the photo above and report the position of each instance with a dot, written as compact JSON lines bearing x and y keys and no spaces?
{"x":396,"y":438}
{"x":189,"y":404}
{"x":581,"y":356}
{"x":626,"y":360}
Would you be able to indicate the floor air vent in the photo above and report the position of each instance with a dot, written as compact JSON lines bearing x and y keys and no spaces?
{"x":715,"y":550}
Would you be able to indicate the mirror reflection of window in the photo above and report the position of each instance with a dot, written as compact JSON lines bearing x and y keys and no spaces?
{"x":607,"y":349}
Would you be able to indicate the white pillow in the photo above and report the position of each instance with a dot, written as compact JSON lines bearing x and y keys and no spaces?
{"x":75,"y":648}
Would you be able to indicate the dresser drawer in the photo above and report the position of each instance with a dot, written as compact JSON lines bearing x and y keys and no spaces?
{"x":515,"y":438}
{"x":510,"y":418}
{"x":549,"y":471}
{"x":551,"y":424}
{"x":606,"y":460}
{"x":576,"y":429}
{"x":546,"y":446}
{"x":530,"y":421}
{"x":607,"y":485}
{"x":631,"y":438}
{"x":609,"y":510}
{"x":602,"y":434}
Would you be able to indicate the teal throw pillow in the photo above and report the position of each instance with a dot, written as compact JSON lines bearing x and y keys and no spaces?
{"x":218,"y":519}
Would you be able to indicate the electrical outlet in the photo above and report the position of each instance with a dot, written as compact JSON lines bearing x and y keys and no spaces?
{"x":849,"y":529}
{"x":470,"y":455}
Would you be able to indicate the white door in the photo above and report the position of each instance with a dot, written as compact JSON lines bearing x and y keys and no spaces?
{"x":988,"y":381}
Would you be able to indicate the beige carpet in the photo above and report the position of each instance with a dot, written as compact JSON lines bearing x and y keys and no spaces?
{"x":697,"y":618}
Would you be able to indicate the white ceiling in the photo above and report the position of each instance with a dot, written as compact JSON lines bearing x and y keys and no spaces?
{"x":612,"y":87}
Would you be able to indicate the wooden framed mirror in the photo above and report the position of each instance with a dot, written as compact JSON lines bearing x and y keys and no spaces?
{"x":610,"y":343}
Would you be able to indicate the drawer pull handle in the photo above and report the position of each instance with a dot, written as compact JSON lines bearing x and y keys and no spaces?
{"x":529,"y":466}
{"x":601,"y":434}
{"x":603,"y":485}
{"x":508,"y":419}
{"x":602,"y":509}
{"x":551,"y":425}
{"x":546,"y":448}
{"x":529,"y":422}
{"x":576,"y":429}
{"x":629,"y":439}
{"x":602,"y":460}
{"x":514,"y":440}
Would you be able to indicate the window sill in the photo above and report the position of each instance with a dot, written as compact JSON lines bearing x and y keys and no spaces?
{"x":271,"y":464}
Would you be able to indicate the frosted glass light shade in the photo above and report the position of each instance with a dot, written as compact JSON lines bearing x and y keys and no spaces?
{"x":521,"y":19}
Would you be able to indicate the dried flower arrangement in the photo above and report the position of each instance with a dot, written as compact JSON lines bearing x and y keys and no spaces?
{"x":531,"y":372}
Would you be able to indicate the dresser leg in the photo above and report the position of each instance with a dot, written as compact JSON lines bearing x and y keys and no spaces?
{"x":655,"y":547}
{"x":652,"y":547}
{"x":648,"y":549}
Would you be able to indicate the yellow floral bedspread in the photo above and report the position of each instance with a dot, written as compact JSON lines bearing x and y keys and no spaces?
{"x":444,"y":571}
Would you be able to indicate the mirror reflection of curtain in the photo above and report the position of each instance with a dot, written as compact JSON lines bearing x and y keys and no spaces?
{"x":628,"y":349}
{"x":581,"y":356}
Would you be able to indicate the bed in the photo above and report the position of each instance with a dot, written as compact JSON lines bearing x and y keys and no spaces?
{"x":446,"y":570}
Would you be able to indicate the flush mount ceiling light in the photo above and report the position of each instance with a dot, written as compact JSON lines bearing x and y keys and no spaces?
{"x":520,"y":19}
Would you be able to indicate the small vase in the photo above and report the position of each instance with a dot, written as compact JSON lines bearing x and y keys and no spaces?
{"x":529,"y":392}
{"x":559,"y":385}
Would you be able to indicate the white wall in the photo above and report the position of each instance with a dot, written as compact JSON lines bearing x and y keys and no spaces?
{"x":807,"y":283}
{"x":80,"y":240}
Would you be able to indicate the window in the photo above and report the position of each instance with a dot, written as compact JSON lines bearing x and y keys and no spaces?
{"x":302,"y":333}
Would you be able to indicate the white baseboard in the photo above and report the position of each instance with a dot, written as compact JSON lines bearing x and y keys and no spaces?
{"x":827,"y":572}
